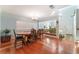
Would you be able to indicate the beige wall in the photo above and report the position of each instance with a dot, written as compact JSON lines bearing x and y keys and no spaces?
{"x":10,"y":21}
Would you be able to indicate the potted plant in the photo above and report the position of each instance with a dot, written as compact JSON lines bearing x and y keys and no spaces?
{"x":5,"y":32}
{"x":61,"y":36}
{"x":52,"y":30}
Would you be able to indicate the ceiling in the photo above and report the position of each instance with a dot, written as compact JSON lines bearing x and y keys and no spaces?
{"x":31,"y":11}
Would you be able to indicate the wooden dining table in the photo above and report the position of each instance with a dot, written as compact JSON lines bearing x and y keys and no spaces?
{"x":24,"y":33}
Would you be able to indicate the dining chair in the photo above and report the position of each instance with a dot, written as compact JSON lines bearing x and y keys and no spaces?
{"x":39,"y":33}
{"x":33,"y":36}
{"x":18,"y":40}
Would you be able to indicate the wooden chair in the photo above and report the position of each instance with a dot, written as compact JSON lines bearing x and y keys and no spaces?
{"x":33,"y":36}
{"x":39,"y":33}
{"x":18,"y":40}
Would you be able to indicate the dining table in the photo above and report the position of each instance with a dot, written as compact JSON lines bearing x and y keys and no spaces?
{"x":25,"y":35}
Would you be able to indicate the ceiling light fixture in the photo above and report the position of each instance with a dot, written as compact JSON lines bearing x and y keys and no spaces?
{"x":51,"y":6}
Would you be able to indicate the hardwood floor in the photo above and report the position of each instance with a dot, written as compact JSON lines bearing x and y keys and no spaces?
{"x":47,"y":46}
{"x":37,"y":47}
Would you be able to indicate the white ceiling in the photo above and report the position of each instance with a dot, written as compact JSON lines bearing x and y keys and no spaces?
{"x":31,"y":11}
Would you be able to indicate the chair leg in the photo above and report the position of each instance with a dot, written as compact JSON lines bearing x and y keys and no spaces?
{"x":17,"y":43}
{"x":24,"y":42}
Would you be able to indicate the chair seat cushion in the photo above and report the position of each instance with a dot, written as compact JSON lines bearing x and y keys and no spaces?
{"x":19,"y":37}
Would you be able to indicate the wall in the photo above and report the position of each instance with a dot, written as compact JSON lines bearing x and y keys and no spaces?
{"x":10,"y":21}
{"x":77,"y":20}
{"x":66,"y":20}
{"x":7,"y":21}
{"x":0,"y":19}
{"x":25,"y":25}
{"x":77,"y":24}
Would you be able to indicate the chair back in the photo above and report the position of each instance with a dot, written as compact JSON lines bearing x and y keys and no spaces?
{"x":33,"y":34}
{"x":14,"y":33}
